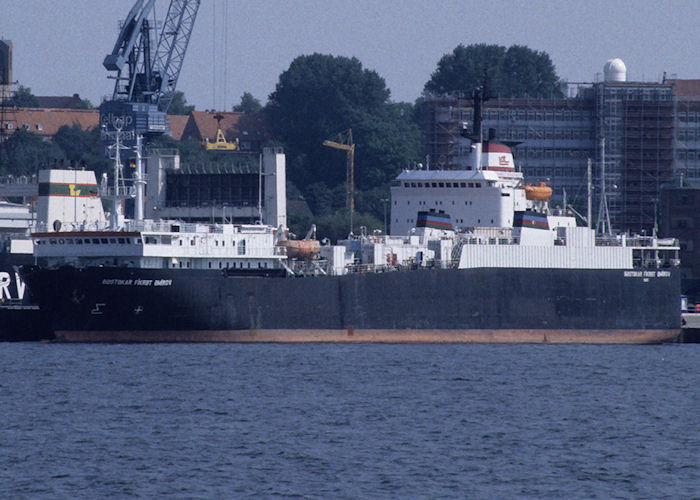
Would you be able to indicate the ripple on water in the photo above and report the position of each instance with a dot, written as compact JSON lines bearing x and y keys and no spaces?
{"x":349,"y":421}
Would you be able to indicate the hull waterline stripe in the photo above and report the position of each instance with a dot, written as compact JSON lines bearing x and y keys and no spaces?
{"x":380,"y":336}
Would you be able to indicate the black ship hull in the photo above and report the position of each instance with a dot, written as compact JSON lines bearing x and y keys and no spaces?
{"x":424,"y":305}
{"x":20,"y":317}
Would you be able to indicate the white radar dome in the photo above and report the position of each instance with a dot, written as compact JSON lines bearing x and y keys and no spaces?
{"x":615,"y":71}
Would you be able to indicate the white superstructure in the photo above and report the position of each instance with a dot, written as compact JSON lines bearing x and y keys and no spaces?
{"x":482,"y":216}
{"x":490,"y":218}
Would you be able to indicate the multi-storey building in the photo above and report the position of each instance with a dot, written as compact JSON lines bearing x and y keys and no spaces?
{"x":626,"y":129}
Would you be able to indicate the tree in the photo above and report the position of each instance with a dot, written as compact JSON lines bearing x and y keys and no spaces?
{"x":249,"y":104}
{"x":82,"y":148}
{"x":513,"y":72}
{"x":178,"y":105}
{"x":24,"y":153}
{"x":318,"y":96}
{"x":322,"y":95}
{"x":84,"y":104}
{"x":23,"y":98}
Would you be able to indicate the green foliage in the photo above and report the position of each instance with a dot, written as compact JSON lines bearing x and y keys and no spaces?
{"x":513,"y":72}
{"x":178,"y":106}
{"x":336,"y":225}
{"x":84,"y":104}
{"x":320,"y":96}
{"x":249,"y":104}
{"x":24,"y":153}
{"x":82,"y":148}
{"x":23,"y":98}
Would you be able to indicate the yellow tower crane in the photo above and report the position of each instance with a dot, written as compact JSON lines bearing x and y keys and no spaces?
{"x":344,"y":141}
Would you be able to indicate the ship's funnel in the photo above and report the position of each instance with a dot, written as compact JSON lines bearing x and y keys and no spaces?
{"x":68,"y":200}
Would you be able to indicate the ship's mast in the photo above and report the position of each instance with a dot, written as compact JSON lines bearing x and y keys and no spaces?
{"x":603,"y":224}
{"x":118,"y":192}
{"x":139,"y":181}
{"x":589,"y":186}
{"x":476,"y":136}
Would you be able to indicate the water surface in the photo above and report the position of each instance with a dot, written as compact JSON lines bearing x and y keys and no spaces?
{"x":349,"y":421}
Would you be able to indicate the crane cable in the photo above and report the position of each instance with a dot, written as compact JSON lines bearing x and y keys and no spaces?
{"x":220,"y":45}
{"x":213,"y":55}
{"x":225,"y":44}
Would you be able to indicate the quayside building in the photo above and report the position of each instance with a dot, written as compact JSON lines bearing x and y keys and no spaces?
{"x":640,"y":134}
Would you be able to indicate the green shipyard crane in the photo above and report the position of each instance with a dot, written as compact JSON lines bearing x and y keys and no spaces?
{"x":146,"y":73}
{"x":144,"y":87}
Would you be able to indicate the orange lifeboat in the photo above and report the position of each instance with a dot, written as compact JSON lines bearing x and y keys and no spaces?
{"x":301,"y":249}
{"x":541,"y":192}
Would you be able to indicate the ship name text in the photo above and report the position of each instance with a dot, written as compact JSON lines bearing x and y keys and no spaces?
{"x":136,"y":282}
{"x":647,"y":274}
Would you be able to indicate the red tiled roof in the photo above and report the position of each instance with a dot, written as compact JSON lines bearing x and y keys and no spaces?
{"x":177,"y":125}
{"x":242,"y":126}
{"x":46,"y":122}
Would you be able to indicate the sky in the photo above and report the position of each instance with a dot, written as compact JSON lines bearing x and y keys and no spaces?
{"x":242,"y":46}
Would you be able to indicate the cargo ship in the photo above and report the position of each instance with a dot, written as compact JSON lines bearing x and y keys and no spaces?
{"x":474,"y":255}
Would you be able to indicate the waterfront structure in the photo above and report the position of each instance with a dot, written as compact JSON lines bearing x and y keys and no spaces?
{"x":240,"y":188}
{"x":638,"y":133}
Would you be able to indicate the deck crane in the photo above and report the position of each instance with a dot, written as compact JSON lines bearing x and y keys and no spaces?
{"x":344,"y":142}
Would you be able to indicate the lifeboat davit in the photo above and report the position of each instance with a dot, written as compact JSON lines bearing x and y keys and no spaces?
{"x":541,"y":192}
{"x":301,"y":249}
